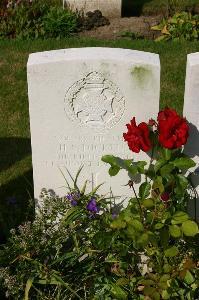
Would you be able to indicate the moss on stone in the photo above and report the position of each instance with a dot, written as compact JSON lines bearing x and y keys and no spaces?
{"x":141,"y":74}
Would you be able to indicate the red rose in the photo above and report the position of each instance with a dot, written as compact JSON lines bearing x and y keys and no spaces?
{"x":173,"y":129}
{"x":137,"y":137}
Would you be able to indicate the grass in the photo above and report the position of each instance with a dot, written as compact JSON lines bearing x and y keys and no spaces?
{"x":16,"y":185}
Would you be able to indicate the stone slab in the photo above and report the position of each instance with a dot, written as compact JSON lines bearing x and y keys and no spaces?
{"x":191,"y":112}
{"x":80,"y":101}
{"x":110,"y":8}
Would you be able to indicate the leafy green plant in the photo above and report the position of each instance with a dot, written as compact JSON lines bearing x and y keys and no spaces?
{"x":85,"y":246}
{"x":182,"y":26}
{"x":36,"y":19}
{"x":59,"y":22}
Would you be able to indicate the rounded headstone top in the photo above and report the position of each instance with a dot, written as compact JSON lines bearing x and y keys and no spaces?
{"x":94,"y":53}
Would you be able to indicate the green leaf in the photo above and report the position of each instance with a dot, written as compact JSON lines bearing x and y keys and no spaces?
{"x":140,"y":166}
{"x":183,"y":181}
{"x":158,"y":27}
{"x":148,"y":282}
{"x":117,"y":292}
{"x":181,"y":185}
{"x":76,"y":177}
{"x":183,"y":163}
{"x":190,"y":228}
{"x":148,"y":203}
{"x":157,"y":184}
{"x":167,"y":268}
{"x":117,"y":164}
{"x":118,"y":224}
{"x":165,"y":295}
{"x":156,"y":296}
{"x":143,"y":239}
{"x":110,"y":159}
{"x":175,"y":231}
{"x":166,"y":169}
{"x":189,"y":279}
{"x":28,"y":287}
{"x":144,"y":190}
{"x":94,"y":190}
{"x":84,"y":187}
{"x":179,"y":217}
{"x":114,"y":170}
{"x":71,"y":215}
{"x":160,"y":163}
{"x":148,"y":291}
{"x":137,"y":225}
{"x":163,"y":282}
{"x":159,"y":226}
{"x":171,"y":252}
{"x":131,"y":232}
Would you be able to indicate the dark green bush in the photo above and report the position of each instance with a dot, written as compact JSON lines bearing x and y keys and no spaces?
{"x":36,"y":19}
{"x":59,"y":22}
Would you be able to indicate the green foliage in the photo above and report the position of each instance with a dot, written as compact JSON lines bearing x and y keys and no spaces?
{"x":70,"y":252}
{"x":59,"y":23}
{"x":182,"y":26}
{"x":157,"y":224}
{"x":37,"y":19}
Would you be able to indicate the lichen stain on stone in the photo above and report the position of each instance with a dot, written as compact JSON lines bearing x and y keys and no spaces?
{"x":142,"y":75}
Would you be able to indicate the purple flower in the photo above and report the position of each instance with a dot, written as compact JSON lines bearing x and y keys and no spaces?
{"x":92,"y":206}
{"x":73,"y":197}
{"x":69,"y":197}
{"x":114,"y":215}
{"x":73,"y":202}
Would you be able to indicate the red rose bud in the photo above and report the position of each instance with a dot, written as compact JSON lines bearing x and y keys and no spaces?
{"x":165,"y":196}
{"x":137,"y":137}
{"x":173,"y":129}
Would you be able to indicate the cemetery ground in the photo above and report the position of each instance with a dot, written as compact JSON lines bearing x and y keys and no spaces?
{"x":16,"y":186}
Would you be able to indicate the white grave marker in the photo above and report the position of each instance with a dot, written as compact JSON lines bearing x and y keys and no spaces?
{"x":191,"y":112}
{"x":80,"y":101}
{"x":109,"y":8}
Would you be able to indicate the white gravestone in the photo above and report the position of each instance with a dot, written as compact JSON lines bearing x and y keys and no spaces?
{"x":80,"y":101}
{"x":110,"y":8}
{"x":191,"y":112}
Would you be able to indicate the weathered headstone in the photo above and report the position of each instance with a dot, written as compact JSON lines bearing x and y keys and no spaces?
{"x":191,"y":111}
{"x":110,"y":8}
{"x":80,"y":101}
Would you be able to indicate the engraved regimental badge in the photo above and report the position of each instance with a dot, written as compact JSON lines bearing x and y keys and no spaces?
{"x":94,"y":102}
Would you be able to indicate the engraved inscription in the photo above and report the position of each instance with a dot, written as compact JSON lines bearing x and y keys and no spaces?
{"x":94,"y":102}
{"x":89,"y":150}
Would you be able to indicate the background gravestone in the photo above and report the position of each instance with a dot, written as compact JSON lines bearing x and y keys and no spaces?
{"x":110,"y":8}
{"x":80,"y":101}
{"x":191,"y":111}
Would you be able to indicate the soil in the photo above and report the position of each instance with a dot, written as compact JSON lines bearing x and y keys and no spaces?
{"x":124,"y":27}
